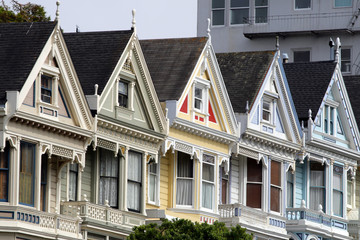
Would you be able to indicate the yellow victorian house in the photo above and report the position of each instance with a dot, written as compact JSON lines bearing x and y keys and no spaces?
{"x":191,"y":176}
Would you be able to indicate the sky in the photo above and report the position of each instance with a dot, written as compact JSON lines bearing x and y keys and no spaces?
{"x":154,"y":18}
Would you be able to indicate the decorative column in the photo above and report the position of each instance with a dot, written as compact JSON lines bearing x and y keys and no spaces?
{"x":124,"y":166}
{"x":55,"y":91}
{"x":143,"y":187}
{"x":37,"y":177}
{"x":131,"y":95}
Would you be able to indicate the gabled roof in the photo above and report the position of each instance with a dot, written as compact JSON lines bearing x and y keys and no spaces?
{"x":352,"y":84}
{"x":95,"y":55}
{"x":171,"y":63}
{"x":20,"y":47}
{"x":243,"y":73}
{"x":308,"y":82}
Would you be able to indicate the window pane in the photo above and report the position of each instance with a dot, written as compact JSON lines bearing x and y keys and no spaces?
{"x":184,"y":191}
{"x":208,"y":172}
{"x":316,"y":198}
{"x":134,"y":166}
{"x":254,"y":171}
{"x":239,"y":16}
{"x":218,"y":3}
{"x":123,"y":88}
{"x":26,"y":185}
{"x":276,"y":173}
{"x":239,"y":3}
{"x":134,"y":194}
{"x":207,"y":195}
{"x":346,"y":60}
{"x":253,"y":195}
{"x":218,"y":17}
{"x":123,"y":94}
{"x":302,"y":4}
{"x":343,"y":3}
{"x":198,"y":92}
{"x":301,"y":56}
{"x":337,"y":178}
{"x":153,"y":168}
{"x":261,"y":3}
{"x":152,"y":187}
{"x":46,"y":88}
{"x":316,"y":174}
{"x":349,"y":192}
{"x":290,"y":194}
{"x":261,"y":15}
{"x":73,"y":177}
{"x":4,"y":171}
{"x":198,"y":104}
{"x":337,"y":205}
{"x":224,"y":191}
{"x":275,"y":199}
{"x":185,"y":165}
{"x":109,"y":171}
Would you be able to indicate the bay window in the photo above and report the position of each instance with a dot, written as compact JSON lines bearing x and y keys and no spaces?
{"x":27,"y":173}
{"x":218,"y":12}
{"x":134,"y":181}
{"x":4,"y":174}
{"x":275,"y":190}
{"x":73,"y":179}
{"x":254,"y":184}
{"x":317,"y":185}
{"x":239,"y":11}
{"x":109,"y":178}
{"x":338,"y":190}
{"x":184,"y":180}
{"x":208,"y":181}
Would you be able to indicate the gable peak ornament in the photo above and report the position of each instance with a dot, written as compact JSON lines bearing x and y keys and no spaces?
{"x":133,"y":26}
{"x":57,"y":14}
{"x":208,"y":29}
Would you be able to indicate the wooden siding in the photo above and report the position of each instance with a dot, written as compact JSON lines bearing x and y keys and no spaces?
{"x":234,"y":180}
{"x":299,"y":184}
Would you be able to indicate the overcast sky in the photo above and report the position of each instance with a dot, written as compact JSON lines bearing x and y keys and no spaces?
{"x":154,"y":18}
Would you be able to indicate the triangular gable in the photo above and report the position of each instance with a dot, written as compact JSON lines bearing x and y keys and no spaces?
{"x":272,"y":111}
{"x":205,"y":100}
{"x":335,"y":121}
{"x":52,"y":89}
{"x":129,"y":94}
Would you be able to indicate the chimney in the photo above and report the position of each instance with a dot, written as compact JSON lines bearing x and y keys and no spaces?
{"x":285,"y":58}
{"x":331,"y":45}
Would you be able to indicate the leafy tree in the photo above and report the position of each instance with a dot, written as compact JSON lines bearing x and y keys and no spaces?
{"x":181,"y":229}
{"x":27,"y":12}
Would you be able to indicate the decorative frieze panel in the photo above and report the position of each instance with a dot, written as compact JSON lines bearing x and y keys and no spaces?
{"x":63,"y":152}
{"x":106,"y":144}
{"x":183,"y":148}
{"x":248,"y":153}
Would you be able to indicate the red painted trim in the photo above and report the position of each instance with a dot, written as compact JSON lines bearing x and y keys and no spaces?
{"x":201,"y":119}
{"x":184,"y":107}
{"x":196,"y":117}
{"x":211,"y":114}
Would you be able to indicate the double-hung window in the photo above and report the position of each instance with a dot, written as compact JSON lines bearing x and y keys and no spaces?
{"x":46,"y":88}
{"x":134,"y":181}
{"x":261,"y":11}
{"x":266,"y":110}
{"x":301,"y":55}
{"x":153,"y":181}
{"x":317,"y":185}
{"x":338,"y":190}
{"x":224,"y":186}
{"x":345,"y":60}
{"x":208,"y":181}
{"x":123,"y":94}
{"x":4,"y":174}
{"x":302,"y":4}
{"x":184,"y":180}
{"x":44,"y":165}
{"x":27,"y":173}
{"x":275,"y":191}
{"x":289,"y":189}
{"x":329,"y":119}
{"x":198,"y":99}
{"x":73,"y":179}
{"x":239,"y":11}
{"x":254,"y":184}
{"x":109,"y":178}
{"x":218,"y":12}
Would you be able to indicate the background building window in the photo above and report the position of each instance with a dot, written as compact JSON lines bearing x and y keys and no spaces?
{"x":301,"y":56}
{"x":46,"y":88}
{"x":254,"y":183}
{"x":338,"y":190}
{"x":208,"y":181}
{"x":152,"y":181}
{"x":345,"y":60}
{"x":109,"y":178}
{"x":261,"y":11}
{"x":134,"y":181}
{"x":343,"y":3}
{"x":184,"y":181}
{"x":317,"y":185}
{"x":290,"y":189}
{"x":218,"y":12}
{"x":224,"y":186}
{"x":275,"y":191}
{"x":73,"y":179}
{"x":4,"y":174}
{"x":302,"y":4}
{"x":239,"y":11}
{"x":123,"y":94}
{"x":43,"y":182}
{"x":27,"y":165}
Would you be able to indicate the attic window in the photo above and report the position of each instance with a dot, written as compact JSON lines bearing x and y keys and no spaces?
{"x":198,"y":99}
{"x":123,"y":94}
{"x":46,"y":89}
{"x":266,"y":111}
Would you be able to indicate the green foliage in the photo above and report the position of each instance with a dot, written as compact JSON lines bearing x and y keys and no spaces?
{"x":27,"y":12}
{"x":181,"y":229}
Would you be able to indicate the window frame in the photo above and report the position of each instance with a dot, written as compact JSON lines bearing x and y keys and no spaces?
{"x":295,"y":51}
{"x":269,"y":111}
{"x":204,"y":86}
{"x":43,"y":182}
{"x":346,"y":61}
{"x":218,"y":9}
{"x":50,"y":80}
{"x":300,"y":9}
{"x":341,"y":191}
{"x":119,"y":94}
{"x":76,"y":173}
{"x":278,"y":187}
{"x":140,"y":183}
{"x":6,"y":155}
{"x":192,"y":179}
{"x":157,"y":183}
{"x":343,"y":5}
{"x":224,"y":177}
{"x":32,"y":196}
{"x":255,"y":183}
{"x":318,"y":187}
{"x":231,"y":9}
{"x":259,"y":7}
{"x":288,"y":191}
{"x":204,"y":181}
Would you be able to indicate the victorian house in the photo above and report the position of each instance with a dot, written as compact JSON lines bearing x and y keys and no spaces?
{"x":269,"y":144}
{"x":192,"y":175}
{"x":122,"y":171}
{"x":323,"y":183}
{"x":45,"y":126}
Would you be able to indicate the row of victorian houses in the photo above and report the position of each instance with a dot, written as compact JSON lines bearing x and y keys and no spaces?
{"x":101,"y":132}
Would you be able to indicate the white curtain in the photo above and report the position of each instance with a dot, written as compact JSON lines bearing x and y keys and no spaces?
{"x":73,"y":173}
{"x":152,"y":186}
{"x":207,"y":195}
{"x":316,"y":189}
{"x":337,"y":194}
{"x":109,"y":174}
{"x":184,"y":192}
{"x":134,"y":181}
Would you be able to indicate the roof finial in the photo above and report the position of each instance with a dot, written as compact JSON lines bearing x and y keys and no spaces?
{"x":338,"y":51}
{"x":57,"y":11}
{"x":310,"y":114}
{"x":208,"y":28}
{"x":277,"y":43}
{"x":133,"y":20}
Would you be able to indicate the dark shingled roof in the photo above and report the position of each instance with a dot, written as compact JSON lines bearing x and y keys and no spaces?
{"x":20,"y":47}
{"x":352,"y":84}
{"x":243,"y":73}
{"x":171,"y":62}
{"x":95,"y":55}
{"x":308,"y":82}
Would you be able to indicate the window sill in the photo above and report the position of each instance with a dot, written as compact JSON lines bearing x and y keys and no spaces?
{"x":153,"y":204}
